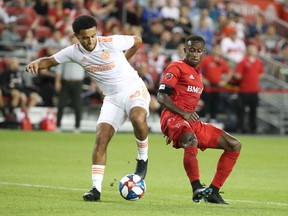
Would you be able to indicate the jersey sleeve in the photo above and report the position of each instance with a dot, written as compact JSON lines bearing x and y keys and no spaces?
{"x":64,"y":55}
{"x":122,"y":42}
{"x":170,"y":75}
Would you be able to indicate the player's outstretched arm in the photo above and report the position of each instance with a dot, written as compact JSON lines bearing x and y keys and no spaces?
{"x":41,"y":63}
{"x":137,"y":43}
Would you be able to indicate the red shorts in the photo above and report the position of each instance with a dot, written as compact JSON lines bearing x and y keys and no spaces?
{"x":173,"y":126}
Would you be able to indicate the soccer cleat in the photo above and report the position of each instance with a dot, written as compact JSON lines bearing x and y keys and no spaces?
{"x":215,"y":198}
{"x":201,"y":193}
{"x":141,"y":168}
{"x":92,"y":195}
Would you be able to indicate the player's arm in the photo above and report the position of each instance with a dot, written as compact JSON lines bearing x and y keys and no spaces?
{"x":41,"y":63}
{"x":137,"y":43}
{"x":165,"y":100}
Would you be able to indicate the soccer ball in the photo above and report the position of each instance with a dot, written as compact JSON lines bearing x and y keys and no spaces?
{"x":132,"y":187}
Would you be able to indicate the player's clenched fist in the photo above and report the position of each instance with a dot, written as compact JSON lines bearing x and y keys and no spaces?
{"x":32,"y":67}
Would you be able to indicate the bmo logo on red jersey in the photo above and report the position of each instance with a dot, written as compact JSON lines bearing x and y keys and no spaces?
{"x":194,"y":89}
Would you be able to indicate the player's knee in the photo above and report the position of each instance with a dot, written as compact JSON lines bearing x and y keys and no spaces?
{"x":189,"y":139}
{"x":137,"y":117}
{"x":235,"y":145}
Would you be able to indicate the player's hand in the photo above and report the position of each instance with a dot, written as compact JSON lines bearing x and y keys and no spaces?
{"x":191,"y":116}
{"x":32,"y":67}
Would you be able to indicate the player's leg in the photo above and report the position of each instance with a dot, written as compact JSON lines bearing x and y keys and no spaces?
{"x":63,"y":98}
{"x":137,"y":105}
{"x":189,"y":142}
{"x":104,"y":133}
{"x":138,"y":117}
{"x":110,"y":119}
{"x":227,"y":161}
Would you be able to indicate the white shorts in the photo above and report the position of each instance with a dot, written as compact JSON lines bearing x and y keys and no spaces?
{"x":116,"y":108}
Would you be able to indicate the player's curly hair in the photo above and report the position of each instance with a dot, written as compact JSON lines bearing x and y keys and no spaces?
{"x":194,"y":38}
{"x":83,"y":22}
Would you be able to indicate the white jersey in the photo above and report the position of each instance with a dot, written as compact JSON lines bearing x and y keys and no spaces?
{"x":106,"y":63}
{"x":233,"y":50}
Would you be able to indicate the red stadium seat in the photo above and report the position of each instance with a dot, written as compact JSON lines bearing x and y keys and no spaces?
{"x":42,"y":32}
{"x":22,"y":30}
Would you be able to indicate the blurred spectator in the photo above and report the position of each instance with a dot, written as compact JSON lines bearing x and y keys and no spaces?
{"x":149,"y":82}
{"x":170,"y":12}
{"x":101,"y":9}
{"x":150,"y":13}
{"x":220,"y":26}
{"x":271,"y":39}
{"x":228,"y":7}
{"x":256,"y":26}
{"x":25,"y":14}
{"x":2,"y":105}
{"x":206,"y":33}
{"x":249,"y":72}
{"x":55,"y":13}
{"x":165,"y":37}
{"x":31,"y":41}
{"x":184,"y":20}
{"x":152,"y":35}
{"x":14,"y":86}
{"x":239,"y":23}
{"x":57,"y":40}
{"x":65,"y":23}
{"x":4,"y":17}
{"x":79,"y":8}
{"x":155,"y":58}
{"x":213,"y":9}
{"x":68,"y":83}
{"x":232,"y":47}
{"x":180,"y":54}
{"x":45,"y":80}
{"x":205,"y":16}
{"x":216,"y":74}
{"x":177,"y":38}
{"x":41,"y":7}
{"x":194,"y":10}
{"x":258,"y":41}
{"x":9,"y":35}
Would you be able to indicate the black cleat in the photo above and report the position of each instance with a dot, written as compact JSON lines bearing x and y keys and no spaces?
{"x":201,"y":193}
{"x":92,"y":195}
{"x":215,"y":198}
{"x":141,"y":168}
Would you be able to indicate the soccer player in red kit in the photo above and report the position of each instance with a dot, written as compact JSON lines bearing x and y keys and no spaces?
{"x":179,"y":93}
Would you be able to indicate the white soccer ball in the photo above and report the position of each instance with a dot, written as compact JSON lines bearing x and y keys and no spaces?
{"x":132,"y":187}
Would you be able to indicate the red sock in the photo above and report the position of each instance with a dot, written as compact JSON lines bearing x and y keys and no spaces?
{"x":191,"y":163}
{"x":224,"y":167}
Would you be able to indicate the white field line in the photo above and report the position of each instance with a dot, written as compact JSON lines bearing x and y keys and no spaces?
{"x":81,"y":189}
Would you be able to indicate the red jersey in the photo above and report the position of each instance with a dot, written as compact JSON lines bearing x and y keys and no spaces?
{"x":187,"y":83}
{"x":250,"y":72}
{"x":212,"y":69}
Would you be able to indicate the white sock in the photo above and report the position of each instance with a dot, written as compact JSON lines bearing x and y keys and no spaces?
{"x":97,"y":176}
{"x":142,"y":149}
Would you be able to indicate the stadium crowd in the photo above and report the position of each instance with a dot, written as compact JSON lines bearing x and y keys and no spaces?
{"x":42,"y":27}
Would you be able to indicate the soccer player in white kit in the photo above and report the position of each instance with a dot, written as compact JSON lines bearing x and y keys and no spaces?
{"x":105,"y":58}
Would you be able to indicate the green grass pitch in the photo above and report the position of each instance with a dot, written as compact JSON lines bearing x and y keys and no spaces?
{"x":44,"y":173}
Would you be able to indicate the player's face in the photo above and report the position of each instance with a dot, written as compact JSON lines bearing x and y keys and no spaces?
{"x":194,"y":53}
{"x":87,"y":38}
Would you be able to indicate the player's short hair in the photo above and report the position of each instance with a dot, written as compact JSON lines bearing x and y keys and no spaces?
{"x":83,"y":22}
{"x":192,"y":38}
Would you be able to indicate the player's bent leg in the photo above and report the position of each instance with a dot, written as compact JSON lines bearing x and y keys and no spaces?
{"x":226,"y":163}
{"x":189,"y":142}
{"x":137,"y":117}
{"x":104,"y":133}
